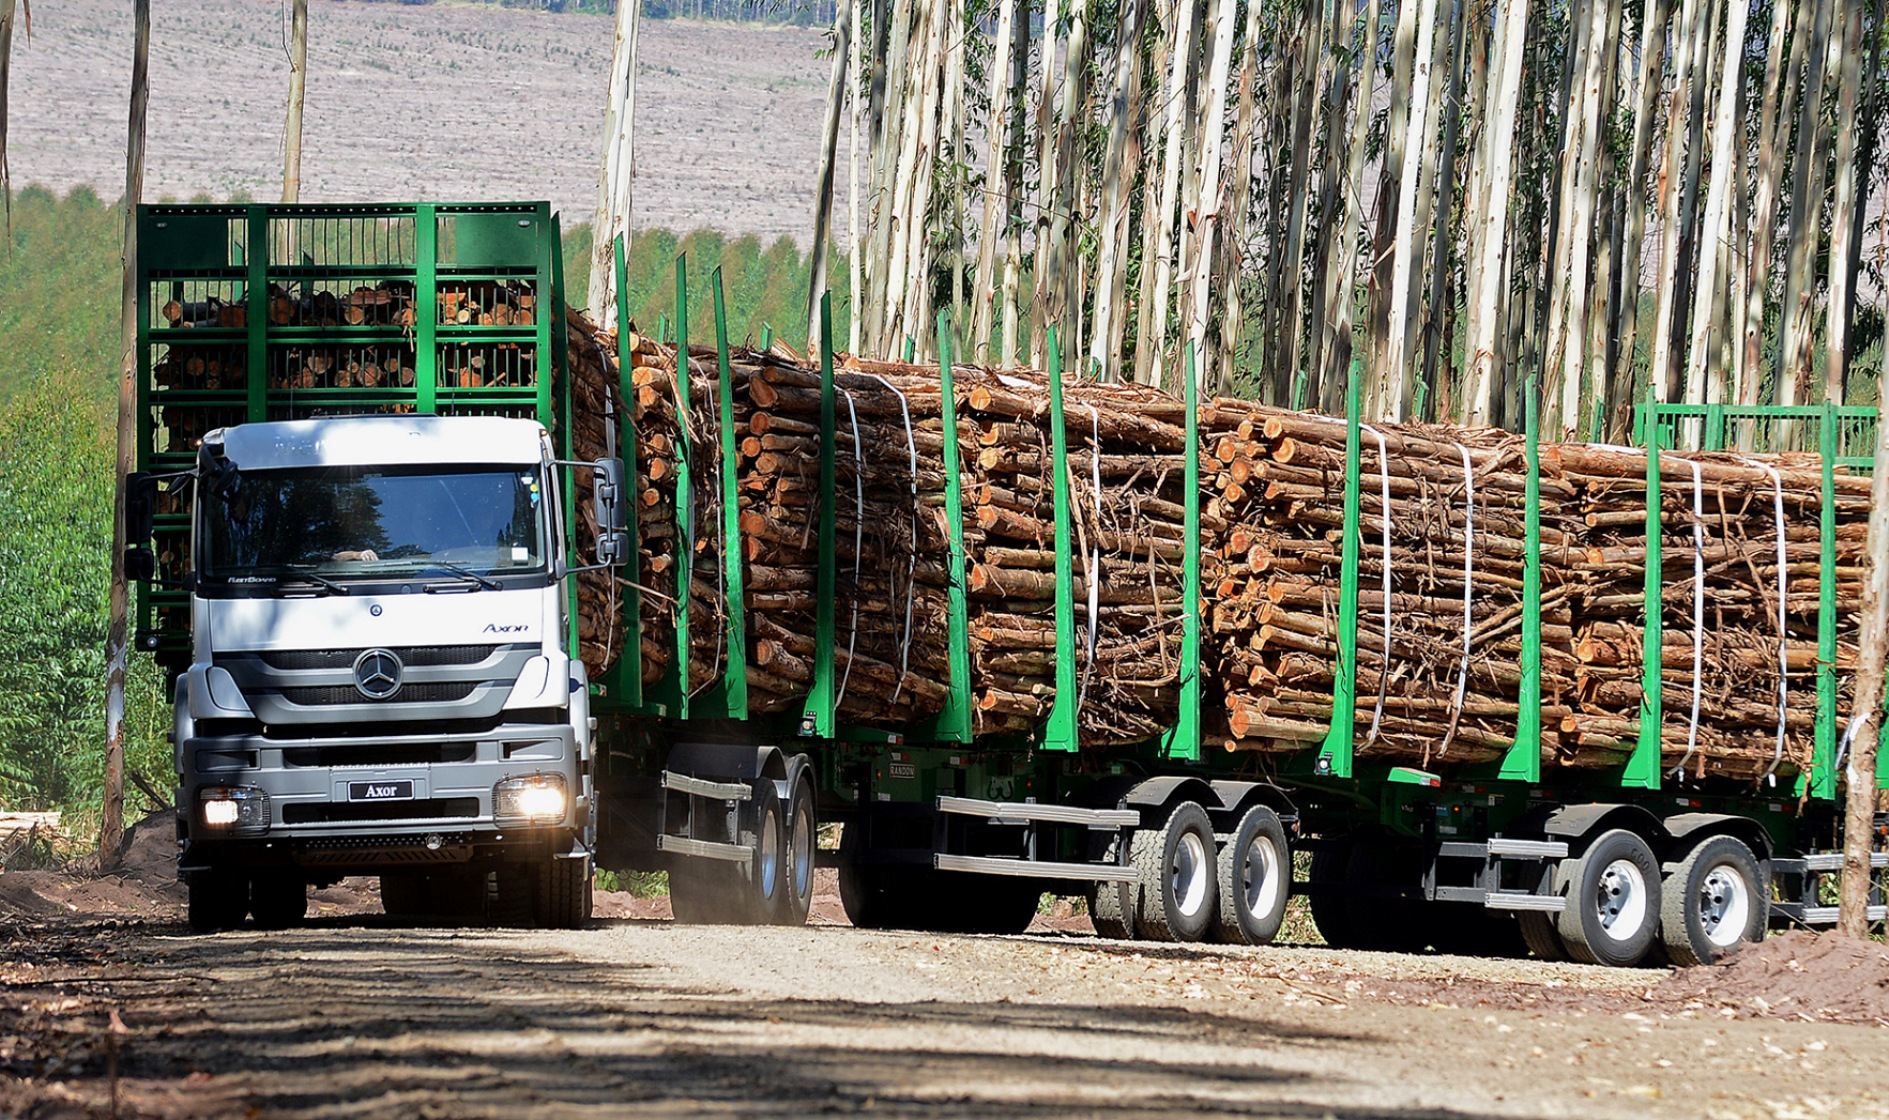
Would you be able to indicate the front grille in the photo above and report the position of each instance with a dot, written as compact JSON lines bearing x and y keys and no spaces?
{"x":298,"y":660}
{"x":344,"y":813}
{"x":379,"y":754}
{"x":421,"y":693}
{"x":350,"y":851}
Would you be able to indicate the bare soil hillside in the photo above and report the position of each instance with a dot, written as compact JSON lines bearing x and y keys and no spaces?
{"x":440,"y":102}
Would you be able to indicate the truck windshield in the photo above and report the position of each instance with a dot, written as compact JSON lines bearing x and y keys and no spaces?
{"x":332,"y":525}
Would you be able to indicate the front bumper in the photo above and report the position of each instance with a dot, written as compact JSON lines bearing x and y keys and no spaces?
{"x":316,"y":815}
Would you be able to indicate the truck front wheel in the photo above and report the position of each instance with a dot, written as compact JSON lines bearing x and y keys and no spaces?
{"x":1715,"y":899}
{"x":279,"y":900}
{"x":219,"y":899}
{"x":568,"y":886}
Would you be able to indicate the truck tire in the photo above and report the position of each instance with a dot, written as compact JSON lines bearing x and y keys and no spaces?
{"x":1112,"y":904}
{"x":512,"y":893}
{"x":766,"y":881}
{"x":1255,"y":879}
{"x":876,"y":896}
{"x":1327,"y":903}
{"x":278,"y":900}
{"x":219,"y":899}
{"x":566,"y":896}
{"x":1541,"y":936}
{"x":1613,"y":900}
{"x":1717,"y":898}
{"x":1379,"y":919}
{"x":1175,"y":876}
{"x":796,"y":896}
{"x":958,"y":902}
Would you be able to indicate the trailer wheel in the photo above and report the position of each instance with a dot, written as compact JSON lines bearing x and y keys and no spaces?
{"x":566,"y":894}
{"x":1712,"y":901}
{"x":278,"y":901}
{"x":1380,"y":916}
{"x":1112,"y":904}
{"x":219,"y":899}
{"x":873,"y":898}
{"x":796,"y":896}
{"x":766,"y":882}
{"x":1613,"y":900}
{"x":1329,"y":912}
{"x":1255,"y":880}
{"x":1541,"y":936}
{"x":1174,"y":865}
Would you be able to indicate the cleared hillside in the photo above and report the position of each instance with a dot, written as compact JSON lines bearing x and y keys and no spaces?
{"x":427,"y":102}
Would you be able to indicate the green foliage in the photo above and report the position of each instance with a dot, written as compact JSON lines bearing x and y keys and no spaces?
{"x":56,"y":465}
{"x":60,"y":279}
{"x":761,"y":287}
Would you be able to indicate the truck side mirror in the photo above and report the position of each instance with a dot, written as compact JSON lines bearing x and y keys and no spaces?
{"x":140,"y":506}
{"x":140,"y":564}
{"x":609,"y":502}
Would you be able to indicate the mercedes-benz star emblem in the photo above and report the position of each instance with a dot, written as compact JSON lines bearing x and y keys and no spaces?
{"x":377,"y":674}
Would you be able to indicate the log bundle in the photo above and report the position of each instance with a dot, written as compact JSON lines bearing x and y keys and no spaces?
{"x":1441,"y":558}
{"x":1440,"y":586}
{"x":1739,"y":657}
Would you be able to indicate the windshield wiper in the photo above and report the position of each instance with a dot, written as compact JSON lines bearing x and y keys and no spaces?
{"x":487,"y":582}
{"x":324,"y":582}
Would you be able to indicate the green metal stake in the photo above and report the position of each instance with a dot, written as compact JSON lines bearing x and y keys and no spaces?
{"x":953,"y":723}
{"x":1823,"y":772}
{"x":426,"y":304}
{"x":676,"y":682}
{"x":1060,"y":732}
{"x":1182,"y":741}
{"x":629,"y":670}
{"x":1522,"y":762}
{"x":816,"y":717}
{"x":911,"y":347}
{"x":1642,"y":769}
{"x":730,"y":697}
{"x":1336,"y":753}
{"x":256,"y":266}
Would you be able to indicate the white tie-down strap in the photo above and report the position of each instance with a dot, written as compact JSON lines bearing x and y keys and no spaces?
{"x":1783,"y":647}
{"x":1469,"y":594}
{"x":1095,"y":552}
{"x":859,"y":543}
{"x":1698,"y":615}
{"x":911,"y":566}
{"x":1384,"y":494}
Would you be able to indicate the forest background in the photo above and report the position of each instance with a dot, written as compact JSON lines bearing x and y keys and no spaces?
{"x":1458,"y":199}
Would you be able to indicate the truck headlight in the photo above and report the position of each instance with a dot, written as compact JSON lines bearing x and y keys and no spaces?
{"x":533,"y":799}
{"x":236,"y":809}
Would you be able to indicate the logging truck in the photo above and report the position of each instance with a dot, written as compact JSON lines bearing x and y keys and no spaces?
{"x":457,"y":590}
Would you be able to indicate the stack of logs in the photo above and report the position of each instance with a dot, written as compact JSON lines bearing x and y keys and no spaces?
{"x":1440,"y":566}
{"x":1749,"y":672}
{"x":1440,"y":578}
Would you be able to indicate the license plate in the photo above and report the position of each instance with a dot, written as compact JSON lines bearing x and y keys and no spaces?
{"x":381,"y":791}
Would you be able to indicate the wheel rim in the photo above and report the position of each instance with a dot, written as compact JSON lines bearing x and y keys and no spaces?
{"x":1187,"y":876}
{"x":1724,"y":906}
{"x":1620,"y":900}
{"x":1259,"y":875}
{"x":801,"y":852}
{"x":768,"y":859}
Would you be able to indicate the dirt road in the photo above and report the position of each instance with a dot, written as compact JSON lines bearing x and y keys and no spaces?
{"x":353,"y":1018}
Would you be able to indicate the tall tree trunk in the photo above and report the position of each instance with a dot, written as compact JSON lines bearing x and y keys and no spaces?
{"x":619,"y":167}
{"x":1489,"y":242}
{"x":891,"y":78}
{"x":1149,"y":353}
{"x":1392,"y":399}
{"x":997,"y":200}
{"x":1111,"y":274}
{"x":298,"y":84}
{"x":7,"y":11}
{"x":1332,"y":184}
{"x":1771,"y":145}
{"x":1207,"y":199}
{"x":854,"y":264}
{"x":1047,"y":182}
{"x":1342,"y":295}
{"x":111,"y":830}
{"x":1054,"y":280}
{"x":1800,"y":285}
{"x":1389,"y":192}
{"x":1239,"y":198}
{"x":1569,"y":237}
{"x":1671,"y":191}
{"x":1706,"y":297}
{"x":1441,"y":268}
{"x":829,"y":156}
{"x":1626,"y":297}
{"x":1859,"y":831}
{"x":1846,"y":203}
{"x":1312,"y":66}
